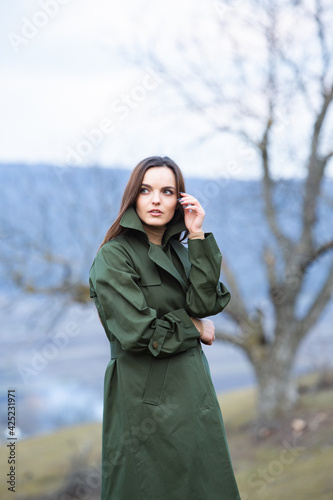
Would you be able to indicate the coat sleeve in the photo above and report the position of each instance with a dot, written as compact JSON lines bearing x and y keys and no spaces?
{"x":114,"y":286}
{"x":206,"y":295}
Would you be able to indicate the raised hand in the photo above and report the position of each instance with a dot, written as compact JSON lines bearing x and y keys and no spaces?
{"x":194,"y":214}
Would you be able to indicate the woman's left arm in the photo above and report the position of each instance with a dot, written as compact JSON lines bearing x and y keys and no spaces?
{"x":206,"y":295}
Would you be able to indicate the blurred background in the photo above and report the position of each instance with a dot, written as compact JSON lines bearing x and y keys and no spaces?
{"x":239,"y":94}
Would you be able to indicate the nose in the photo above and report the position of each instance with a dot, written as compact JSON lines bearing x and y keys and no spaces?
{"x":156,"y":198}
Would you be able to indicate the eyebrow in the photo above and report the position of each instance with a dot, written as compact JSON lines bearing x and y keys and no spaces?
{"x":164,"y":187}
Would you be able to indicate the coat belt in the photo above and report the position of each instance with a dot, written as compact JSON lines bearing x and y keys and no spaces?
{"x":156,"y":377}
{"x":114,"y":345}
{"x":157,"y":372}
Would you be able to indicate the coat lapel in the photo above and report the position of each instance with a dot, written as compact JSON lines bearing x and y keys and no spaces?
{"x":182,"y":255}
{"x":131,"y":220}
{"x":157,"y":255}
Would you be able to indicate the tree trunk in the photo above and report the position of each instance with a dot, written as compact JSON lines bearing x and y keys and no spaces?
{"x":277,"y":390}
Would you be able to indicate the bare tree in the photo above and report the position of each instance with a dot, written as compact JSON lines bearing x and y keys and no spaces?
{"x":49,"y":240}
{"x":270,"y":68}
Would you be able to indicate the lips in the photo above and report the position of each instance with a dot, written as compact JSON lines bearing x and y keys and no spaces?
{"x":155,"y":212}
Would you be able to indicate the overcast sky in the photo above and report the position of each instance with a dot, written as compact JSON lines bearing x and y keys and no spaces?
{"x":69,"y":93}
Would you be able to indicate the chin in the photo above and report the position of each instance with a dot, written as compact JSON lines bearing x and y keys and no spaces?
{"x":157,"y":223}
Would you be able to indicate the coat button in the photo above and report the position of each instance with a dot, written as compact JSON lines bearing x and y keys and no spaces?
{"x":155,"y":344}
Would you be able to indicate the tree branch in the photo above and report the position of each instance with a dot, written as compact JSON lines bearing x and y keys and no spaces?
{"x":316,"y":169}
{"x":318,"y":252}
{"x":325,"y":52}
{"x":236,"y":308}
{"x":328,"y":156}
{"x":269,"y":260}
{"x":232,"y":339}
{"x":268,"y":188}
{"x":252,"y":334}
{"x":327,"y":99}
{"x":318,"y":306}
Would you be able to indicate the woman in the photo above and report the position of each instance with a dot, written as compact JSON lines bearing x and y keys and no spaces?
{"x":163,"y":434}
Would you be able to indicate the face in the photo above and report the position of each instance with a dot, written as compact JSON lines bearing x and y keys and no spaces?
{"x":157,"y":200}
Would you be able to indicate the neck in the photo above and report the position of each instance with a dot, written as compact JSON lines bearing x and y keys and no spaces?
{"x":154,"y":233}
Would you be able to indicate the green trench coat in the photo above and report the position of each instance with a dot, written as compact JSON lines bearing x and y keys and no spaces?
{"x":163,"y":433}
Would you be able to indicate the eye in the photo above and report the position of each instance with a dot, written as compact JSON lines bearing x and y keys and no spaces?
{"x":144,"y":190}
{"x":169,"y":191}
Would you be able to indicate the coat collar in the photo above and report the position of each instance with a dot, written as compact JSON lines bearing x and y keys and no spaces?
{"x":131,"y":220}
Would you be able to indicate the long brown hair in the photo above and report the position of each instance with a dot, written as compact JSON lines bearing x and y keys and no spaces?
{"x":133,"y":188}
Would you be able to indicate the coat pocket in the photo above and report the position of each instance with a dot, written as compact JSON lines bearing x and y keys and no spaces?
{"x":150,"y":281}
{"x":155,"y":382}
{"x":149,"y":275}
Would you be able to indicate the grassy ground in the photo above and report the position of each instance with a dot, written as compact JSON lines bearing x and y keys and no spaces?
{"x":292,"y":463}
{"x":46,"y":462}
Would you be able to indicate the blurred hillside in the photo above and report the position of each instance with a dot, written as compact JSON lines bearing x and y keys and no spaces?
{"x":53,"y":219}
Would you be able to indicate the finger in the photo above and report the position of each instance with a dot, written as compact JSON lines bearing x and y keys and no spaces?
{"x":187,"y":198}
{"x":190,"y":201}
{"x":198,"y":209}
{"x":190,"y":206}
